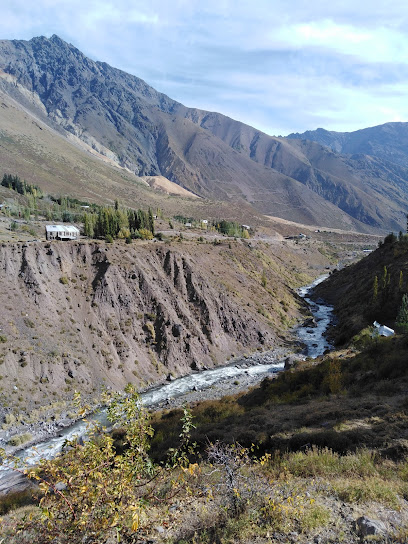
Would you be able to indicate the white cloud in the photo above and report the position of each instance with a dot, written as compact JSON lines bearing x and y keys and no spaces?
{"x":280,"y":67}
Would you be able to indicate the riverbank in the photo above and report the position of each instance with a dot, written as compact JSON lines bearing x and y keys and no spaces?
{"x":238,"y":375}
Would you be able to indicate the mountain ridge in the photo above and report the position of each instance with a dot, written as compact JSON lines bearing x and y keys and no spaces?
{"x":207,"y":153}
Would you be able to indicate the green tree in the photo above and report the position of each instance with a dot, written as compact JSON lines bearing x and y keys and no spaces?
{"x":402,"y":317}
{"x":375,"y":289}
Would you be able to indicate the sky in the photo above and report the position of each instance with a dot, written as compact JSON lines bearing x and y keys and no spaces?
{"x":279,"y":66}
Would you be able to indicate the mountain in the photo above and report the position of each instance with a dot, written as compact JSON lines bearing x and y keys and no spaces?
{"x":388,"y":142}
{"x":369,"y":290}
{"x":130,"y":124}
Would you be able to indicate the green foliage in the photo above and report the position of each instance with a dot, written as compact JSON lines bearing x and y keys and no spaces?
{"x":390,"y":238}
{"x":20,"y":186}
{"x":95,"y":492}
{"x":364,"y":338}
{"x":375,"y":289}
{"x":3,"y":338}
{"x":63,"y":280}
{"x":145,"y":234}
{"x":402,"y":317}
{"x":231,"y":228}
{"x":17,"y":440}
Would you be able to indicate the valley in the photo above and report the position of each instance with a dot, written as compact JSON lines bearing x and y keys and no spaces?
{"x":184,"y":309}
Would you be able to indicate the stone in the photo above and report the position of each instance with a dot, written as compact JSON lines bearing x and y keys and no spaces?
{"x":170,"y":378}
{"x":290,"y":362}
{"x":366,"y":526}
{"x":176,"y":330}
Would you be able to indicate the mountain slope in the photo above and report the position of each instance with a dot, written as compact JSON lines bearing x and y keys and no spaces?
{"x":357,"y":303}
{"x":131,"y":124}
{"x":388,"y":142}
{"x":80,"y":315}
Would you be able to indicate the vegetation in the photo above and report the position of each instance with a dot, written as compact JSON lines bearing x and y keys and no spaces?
{"x":229,"y":228}
{"x":402,"y":317}
{"x":97,"y":491}
{"x":20,"y":186}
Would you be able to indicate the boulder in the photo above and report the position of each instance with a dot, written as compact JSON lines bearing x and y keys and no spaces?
{"x":366,"y":526}
{"x":290,"y":362}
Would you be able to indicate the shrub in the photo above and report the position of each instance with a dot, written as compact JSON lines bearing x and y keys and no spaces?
{"x":63,"y":280}
{"x":145,"y":234}
{"x":17,"y":440}
{"x":93,"y":493}
{"x":3,"y":339}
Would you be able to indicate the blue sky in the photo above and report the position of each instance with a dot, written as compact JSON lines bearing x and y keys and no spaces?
{"x":279,"y":66}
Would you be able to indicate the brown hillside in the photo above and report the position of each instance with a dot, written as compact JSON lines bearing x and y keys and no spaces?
{"x":82,"y":315}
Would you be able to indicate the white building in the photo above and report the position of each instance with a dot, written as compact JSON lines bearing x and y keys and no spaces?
{"x":61,"y":232}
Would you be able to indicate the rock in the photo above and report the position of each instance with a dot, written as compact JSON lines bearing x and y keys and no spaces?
{"x":195,"y":366}
{"x":290,"y":362}
{"x":309,"y":322}
{"x":161,"y":530}
{"x":170,"y":378}
{"x":366,"y":526}
{"x":176,"y":330}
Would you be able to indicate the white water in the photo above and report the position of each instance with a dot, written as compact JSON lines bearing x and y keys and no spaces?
{"x":313,"y":336}
{"x":272,"y":362}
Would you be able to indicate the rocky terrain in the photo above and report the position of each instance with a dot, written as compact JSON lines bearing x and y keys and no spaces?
{"x":85,"y":315}
{"x":387,"y":142}
{"x":124,"y":121}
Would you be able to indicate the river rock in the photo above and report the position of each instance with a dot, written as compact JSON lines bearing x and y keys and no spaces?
{"x":309,"y":322}
{"x":170,"y":378}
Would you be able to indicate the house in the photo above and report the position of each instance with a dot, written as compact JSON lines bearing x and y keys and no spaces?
{"x":61,"y":232}
{"x":382,"y":330}
{"x":204,"y":221}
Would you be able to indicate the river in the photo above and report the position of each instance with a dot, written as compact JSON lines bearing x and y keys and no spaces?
{"x":261,"y":364}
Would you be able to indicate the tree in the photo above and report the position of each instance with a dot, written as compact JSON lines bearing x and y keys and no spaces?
{"x":402,"y":317}
{"x":375,"y":289}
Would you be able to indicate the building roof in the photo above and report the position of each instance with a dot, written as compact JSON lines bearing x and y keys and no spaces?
{"x":60,"y":228}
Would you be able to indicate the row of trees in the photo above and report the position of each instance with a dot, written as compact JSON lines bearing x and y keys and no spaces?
{"x":20,"y":186}
{"x":229,"y":228}
{"x":114,"y":222}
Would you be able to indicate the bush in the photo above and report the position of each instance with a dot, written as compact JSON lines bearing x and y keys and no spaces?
{"x":20,"y":439}
{"x":63,"y":280}
{"x":93,"y":493}
{"x":145,"y":234}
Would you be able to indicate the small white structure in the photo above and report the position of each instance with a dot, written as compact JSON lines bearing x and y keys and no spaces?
{"x":61,"y":232}
{"x":188,"y":225}
{"x":383,"y":330}
{"x":204,"y":221}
